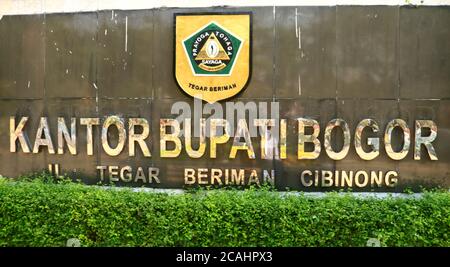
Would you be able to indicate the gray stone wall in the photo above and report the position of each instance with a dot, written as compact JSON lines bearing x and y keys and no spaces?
{"x":349,"y":62}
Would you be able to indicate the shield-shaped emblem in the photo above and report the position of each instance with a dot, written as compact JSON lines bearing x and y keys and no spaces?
{"x":212,"y":54}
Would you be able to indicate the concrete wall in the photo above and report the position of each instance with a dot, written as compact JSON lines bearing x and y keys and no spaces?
{"x":324,"y":62}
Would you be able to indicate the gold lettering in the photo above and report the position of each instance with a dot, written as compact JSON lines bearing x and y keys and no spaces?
{"x":269,"y":177}
{"x":237,"y":179}
{"x":263,"y":125}
{"x":63,"y":134}
{"x":283,"y":138}
{"x":125,"y":174}
{"x":346,"y":179}
{"x":47,"y":140}
{"x":425,"y":140}
{"x":113,"y":173}
{"x":327,"y":178}
{"x":218,"y":139}
{"x":327,"y":139}
{"x":101,"y":170}
{"x":242,"y":131}
{"x":391,"y":182}
{"x":376,"y":179}
{"x":202,"y":174}
{"x":388,"y":139}
{"x":253,"y":178}
{"x":118,"y":122}
{"x":303,"y":138}
{"x":365,"y":181}
{"x":202,"y":140}
{"x":215,"y":176}
{"x":140,"y":175}
{"x":302,"y":178}
{"x":373,"y":142}
{"x":17,"y":133}
{"x":189,"y":176}
{"x":172,"y":137}
{"x":138,"y":138}
{"x":153,"y":175}
{"x":89,"y":122}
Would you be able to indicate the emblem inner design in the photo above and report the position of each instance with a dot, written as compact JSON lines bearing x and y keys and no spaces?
{"x":212,"y":50}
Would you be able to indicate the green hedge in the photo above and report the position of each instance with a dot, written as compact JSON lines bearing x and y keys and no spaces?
{"x":39,"y":213}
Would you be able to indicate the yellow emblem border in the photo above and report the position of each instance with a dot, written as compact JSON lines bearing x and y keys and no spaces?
{"x":250,"y":52}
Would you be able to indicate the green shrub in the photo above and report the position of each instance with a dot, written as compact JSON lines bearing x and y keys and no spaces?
{"x":43,"y":213}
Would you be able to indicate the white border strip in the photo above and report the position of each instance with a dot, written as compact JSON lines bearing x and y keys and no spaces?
{"x":378,"y":195}
{"x":374,"y":195}
{"x":24,"y":7}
